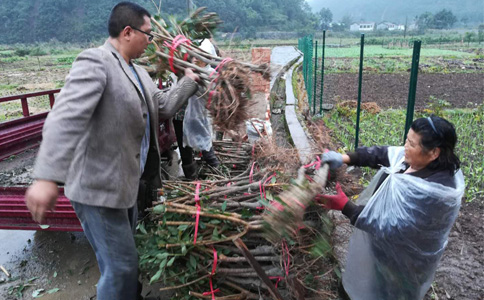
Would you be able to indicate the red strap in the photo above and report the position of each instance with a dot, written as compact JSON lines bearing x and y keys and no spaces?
{"x":197,"y":203}
{"x":220,"y":65}
{"x":299,"y":203}
{"x":308,"y":178}
{"x":212,"y":291}
{"x":262,"y":186}
{"x":277,"y":205}
{"x":285,"y":250}
{"x":214,"y":269}
{"x":316,"y":163}
{"x":214,"y":266}
{"x":210,"y":95}
{"x":278,"y":279}
{"x":177,"y":41}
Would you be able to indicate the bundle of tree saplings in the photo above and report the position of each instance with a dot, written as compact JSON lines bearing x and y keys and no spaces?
{"x":205,"y":240}
{"x":226,"y":88}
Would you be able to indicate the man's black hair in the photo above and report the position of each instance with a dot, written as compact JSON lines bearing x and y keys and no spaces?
{"x":126,"y":14}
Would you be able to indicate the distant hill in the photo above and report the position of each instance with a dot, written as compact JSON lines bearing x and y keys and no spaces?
{"x":29,"y":21}
{"x":396,"y":11}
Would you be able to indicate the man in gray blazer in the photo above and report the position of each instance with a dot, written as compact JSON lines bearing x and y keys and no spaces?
{"x":100,"y":139}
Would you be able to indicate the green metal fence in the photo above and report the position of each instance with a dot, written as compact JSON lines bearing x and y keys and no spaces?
{"x":309,"y":48}
{"x":310,"y":68}
{"x":305,"y":45}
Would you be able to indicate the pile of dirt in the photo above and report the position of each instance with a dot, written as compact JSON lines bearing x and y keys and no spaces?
{"x":371,"y":107}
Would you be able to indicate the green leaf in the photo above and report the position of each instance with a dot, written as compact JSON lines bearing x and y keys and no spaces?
{"x":182,"y":227}
{"x":193,"y":262}
{"x":55,"y":274}
{"x":184,"y":249}
{"x":215,"y":235}
{"x":246,"y":213}
{"x":52,"y":291}
{"x":337,"y":272}
{"x":142,"y":228}
{"x":37,"y":293}
{"x":273,"y":180}
{"x":159,"y":209}
{"x":163,"y":255}
{"x":269,"y":196}
{"x":156,"y":277}
{"x":163,"y":263}
{"x":224,"y":206}
{"x":170,"y":263}
{"x":215,"y":221}
{"x":44,"y":226}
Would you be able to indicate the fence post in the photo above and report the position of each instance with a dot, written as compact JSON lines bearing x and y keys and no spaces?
{"x":25,"y":107}
{"x":315,"y":77}
{"x":360,"y":77}
{"x":322,"y":75}
{"x":413,"y":87}
{"x":51,"y":100}
{"x":310,"y":73}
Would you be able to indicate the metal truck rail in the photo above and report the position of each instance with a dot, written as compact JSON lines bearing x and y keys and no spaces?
{"x":25,"y":133}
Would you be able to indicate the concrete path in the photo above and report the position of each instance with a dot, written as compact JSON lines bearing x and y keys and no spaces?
{"x":280,"y":57}
{"x":298,"y":135}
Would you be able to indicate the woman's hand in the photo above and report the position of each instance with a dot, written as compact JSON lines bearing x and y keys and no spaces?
{"x":333,"y":159}
{"x":336,"y":202}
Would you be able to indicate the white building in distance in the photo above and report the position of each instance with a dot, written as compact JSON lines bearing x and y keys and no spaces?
{"x":369,"y":26}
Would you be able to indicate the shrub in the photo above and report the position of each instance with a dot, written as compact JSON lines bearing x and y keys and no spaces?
{"x":38,"y":51}
{"x":22,"y":52}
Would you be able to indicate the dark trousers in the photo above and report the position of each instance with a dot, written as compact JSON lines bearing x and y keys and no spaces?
{"x":110,"y":233}
{"x":186,"y":153}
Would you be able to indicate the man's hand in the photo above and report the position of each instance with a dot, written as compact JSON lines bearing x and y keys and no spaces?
{"x":41,"y":197}
{"x":337,"y":201}
{"x":190,"y":74}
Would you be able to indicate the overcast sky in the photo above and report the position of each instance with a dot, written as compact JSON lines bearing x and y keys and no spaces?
{"x":398,"y":10}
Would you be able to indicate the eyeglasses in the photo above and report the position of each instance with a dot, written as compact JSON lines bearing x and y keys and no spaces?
{"x":150,"y":36}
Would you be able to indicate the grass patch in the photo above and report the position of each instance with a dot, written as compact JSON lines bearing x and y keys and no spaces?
{"x":8,"y":87}
{"x":387,"y":128}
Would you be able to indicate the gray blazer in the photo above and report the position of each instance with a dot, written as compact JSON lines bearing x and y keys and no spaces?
{"x":92,"y":136}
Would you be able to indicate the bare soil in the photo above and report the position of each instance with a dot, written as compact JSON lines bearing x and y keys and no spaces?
{"x":391,"y":90}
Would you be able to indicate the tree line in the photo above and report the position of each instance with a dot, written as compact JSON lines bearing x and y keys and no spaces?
{"x":29,"y":21}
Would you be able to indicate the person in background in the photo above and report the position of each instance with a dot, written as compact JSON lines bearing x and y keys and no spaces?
{"x":189,"y":165}
{"x":403,"y":218}
{"x":100,"y":140}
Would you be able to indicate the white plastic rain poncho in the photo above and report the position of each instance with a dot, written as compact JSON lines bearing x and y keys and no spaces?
{"x":400,"y":235}
{"x":197,"y":124}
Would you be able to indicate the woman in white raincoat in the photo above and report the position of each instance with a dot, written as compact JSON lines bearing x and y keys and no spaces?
{"x":404,"y":216}
{"x":193,"y":126}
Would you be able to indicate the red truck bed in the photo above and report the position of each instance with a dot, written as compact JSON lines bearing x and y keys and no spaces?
{"x":15,"y":215}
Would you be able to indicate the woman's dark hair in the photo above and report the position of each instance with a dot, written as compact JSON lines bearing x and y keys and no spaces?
{"x":436,"y":132}
{"x":126,"y":14}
